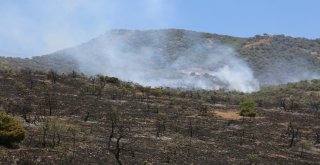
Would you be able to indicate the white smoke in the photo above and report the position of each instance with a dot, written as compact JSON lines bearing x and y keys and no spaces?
{"x":146,"y":61}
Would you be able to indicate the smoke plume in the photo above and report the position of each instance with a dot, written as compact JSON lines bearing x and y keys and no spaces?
{"x":161,"y":59}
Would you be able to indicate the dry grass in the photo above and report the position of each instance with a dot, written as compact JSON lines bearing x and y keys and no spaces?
{"x":261,"y":41}
{"x":228,"y":115}
{"x":285,"y":124}
{"x":278,"y":155}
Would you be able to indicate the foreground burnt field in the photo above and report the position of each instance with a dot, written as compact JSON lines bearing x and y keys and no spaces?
{"x":72,"y":119}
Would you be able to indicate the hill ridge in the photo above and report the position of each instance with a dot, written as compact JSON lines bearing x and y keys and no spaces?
{"x":274,"y":59}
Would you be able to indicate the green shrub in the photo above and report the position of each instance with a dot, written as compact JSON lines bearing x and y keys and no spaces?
{"x":253,"y":158}
{"x":248,"y":108}
{"x":10,"y":130}
{"x":158,"y":92}
{"x":112,"y":80}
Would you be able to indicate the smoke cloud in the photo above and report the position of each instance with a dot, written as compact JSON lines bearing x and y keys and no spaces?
{"x":288,"y":67}
{"x":159,"y":59}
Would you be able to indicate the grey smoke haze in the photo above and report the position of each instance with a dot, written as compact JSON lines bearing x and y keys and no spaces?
{"x":283,"y":73}
{"x":153,"y":60}
{"x":187,"y":59}
{"x":286,"y":67}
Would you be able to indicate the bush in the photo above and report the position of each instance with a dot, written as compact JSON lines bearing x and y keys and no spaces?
{"x":10,"y":130}
{"x":253,"y":158}
{"x":112,"y":80}
{"x":158,"y":92}
{"x":248,"y":108}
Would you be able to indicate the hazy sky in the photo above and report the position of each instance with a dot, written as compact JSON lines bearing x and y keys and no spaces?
{"x":36,"y":27}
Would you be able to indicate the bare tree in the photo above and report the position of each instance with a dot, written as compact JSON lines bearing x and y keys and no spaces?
{"x":213,"y":98}
{"x":118,"y":140}
{"x":314,"y":101}
{"x":282,"y":103}
{"x":203,"y":109}
{"x":113,"y":118}
{"x":52,"y":76}
{"x":293,"y":133}
{"x":45,"y":129}
{"x":51,"y":102}
{"x":317,"y":140}
{"x":191,"y":128}
{"x":101,"y":84}
{"x":304,"y":145}
{"x":160,"y":123}
{"x":28,"y":74}
{"x":26,"y":109}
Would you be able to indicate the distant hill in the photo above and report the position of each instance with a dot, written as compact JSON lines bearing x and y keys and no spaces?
{"x":161,"y":57}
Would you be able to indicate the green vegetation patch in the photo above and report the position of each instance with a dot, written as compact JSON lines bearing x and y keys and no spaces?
{"x":11,"y":131}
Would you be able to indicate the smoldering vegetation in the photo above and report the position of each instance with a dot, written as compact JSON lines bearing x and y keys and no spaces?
{"x":286,"y":70}
{"x":165,"y":59}
{"x":192,"y":60}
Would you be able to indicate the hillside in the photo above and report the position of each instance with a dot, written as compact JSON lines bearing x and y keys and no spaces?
{"x":173,"y":57}
{"x":73,"y":119}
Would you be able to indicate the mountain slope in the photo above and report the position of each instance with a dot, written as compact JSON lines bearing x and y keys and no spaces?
{"x":281,"y":59}
{"x":181,"y":58}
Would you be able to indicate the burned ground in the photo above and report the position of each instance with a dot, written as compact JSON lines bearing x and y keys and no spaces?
{"x":74,"y":119}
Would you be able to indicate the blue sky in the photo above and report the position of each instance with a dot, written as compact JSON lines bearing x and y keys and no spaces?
{"x":36,"y":27}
